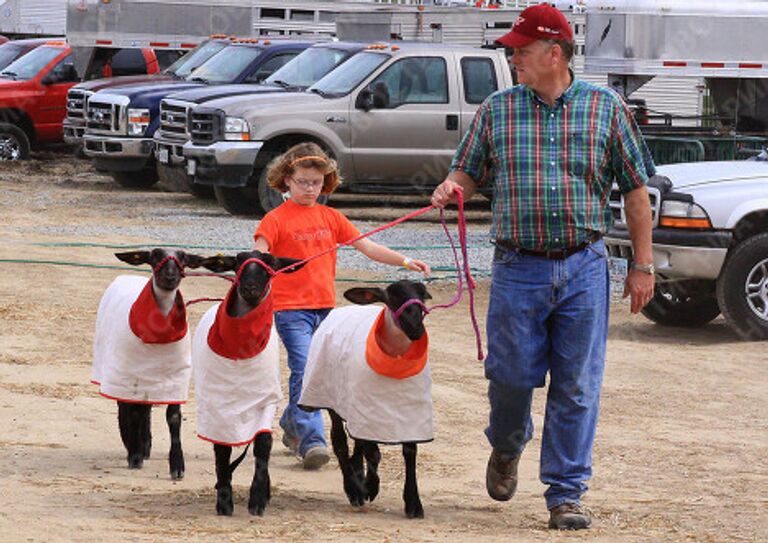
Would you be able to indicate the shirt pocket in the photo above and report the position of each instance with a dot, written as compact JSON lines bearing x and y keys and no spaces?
{"x":587,"y":150}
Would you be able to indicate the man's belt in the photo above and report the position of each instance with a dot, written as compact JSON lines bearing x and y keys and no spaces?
{"x":552,"y":254}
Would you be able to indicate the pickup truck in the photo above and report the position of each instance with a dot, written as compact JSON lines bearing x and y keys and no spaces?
{"x":710,"y":244}
{"x":296,"y":75}
{"x":33,"y":93}
{"x":121,"y":121}
{"x":78,"y":96}
{"x":391,"y":116}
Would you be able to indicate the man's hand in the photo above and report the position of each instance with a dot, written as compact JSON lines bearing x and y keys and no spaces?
{"x":444,"y":194}
{"x":639,"y":287}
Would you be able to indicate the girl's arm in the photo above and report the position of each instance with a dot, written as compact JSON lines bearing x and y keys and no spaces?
{"x":385,"y":255}
{"x":261,"y":244}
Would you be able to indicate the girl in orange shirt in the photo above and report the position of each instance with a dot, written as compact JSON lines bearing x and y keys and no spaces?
{"x":299,"y":228}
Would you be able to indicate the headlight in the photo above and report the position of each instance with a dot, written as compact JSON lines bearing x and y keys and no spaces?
{"x":236,"y":129}
{"x":678,"y":214}
{"x":138,"y":121}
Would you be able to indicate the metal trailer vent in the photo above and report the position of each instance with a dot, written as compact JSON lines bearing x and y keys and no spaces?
{"x":173,"y":119}
{"x":204,"y":127}
{"x":616,"y":204}
{"x":103,"y":117}
{"x":77,"y":102}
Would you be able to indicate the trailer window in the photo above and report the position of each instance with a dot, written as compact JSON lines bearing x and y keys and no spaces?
{"x":30,"y":64}
{"x":302,"y":15}
{"x":479,"y":79}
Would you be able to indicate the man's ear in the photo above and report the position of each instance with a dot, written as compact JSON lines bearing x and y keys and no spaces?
{"x":282,"y":262}
{"x":134,"y":258}
{"x":422,"y":288}
{"x":365,"y":295}
{"x":219,"y":263}
{"x":192,"y":261}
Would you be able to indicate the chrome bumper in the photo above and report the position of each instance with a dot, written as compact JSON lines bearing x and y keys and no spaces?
{"x":73,"y":133}
{"x":225,"y":153}
{"x":107,"y":146}
{"x":169,"y":152}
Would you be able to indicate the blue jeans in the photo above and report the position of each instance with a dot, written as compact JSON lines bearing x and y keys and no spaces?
{"x":295,"y":328}
{"x":548,"y":316}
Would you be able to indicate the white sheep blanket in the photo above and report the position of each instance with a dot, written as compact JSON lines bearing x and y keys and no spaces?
{"x":236,"y":398}
{"x":375,"y":407}
{"x":128,"y":369}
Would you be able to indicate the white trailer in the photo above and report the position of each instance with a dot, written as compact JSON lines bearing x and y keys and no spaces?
{"x":33,"y":17}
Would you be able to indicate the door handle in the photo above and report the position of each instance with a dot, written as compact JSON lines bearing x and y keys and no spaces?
{"x":451,"y":122}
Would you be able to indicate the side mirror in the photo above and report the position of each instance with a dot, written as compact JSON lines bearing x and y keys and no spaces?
{"x":65,"y":73}
{"x":364,"y":100}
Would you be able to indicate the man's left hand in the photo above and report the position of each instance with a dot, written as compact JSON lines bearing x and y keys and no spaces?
{"x":639,"y":287}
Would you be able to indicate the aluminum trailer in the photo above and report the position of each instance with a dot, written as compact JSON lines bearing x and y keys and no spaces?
{"x":27,"y":18}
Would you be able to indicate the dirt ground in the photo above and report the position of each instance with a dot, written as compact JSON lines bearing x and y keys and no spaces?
{"x":680,"y":453}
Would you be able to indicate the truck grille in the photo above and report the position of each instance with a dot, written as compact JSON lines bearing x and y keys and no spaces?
{"x":173,"y":119}
{"x":616,"y":203}
{"x":103,"y":117}
{"x":204,"y":127}
{"x":77,"y":101}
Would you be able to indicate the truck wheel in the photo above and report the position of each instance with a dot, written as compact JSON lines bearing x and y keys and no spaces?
{"x":239,"y":200}
{"x":142,"y":179}
{"x":683,"y":303}
{"x":177,"y":180}
{"x":742,"y":289}
{"x":269,"y":198}
{"x":14,"y":143}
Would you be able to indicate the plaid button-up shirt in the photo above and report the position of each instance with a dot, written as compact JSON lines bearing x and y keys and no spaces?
{"x":552,"y":167}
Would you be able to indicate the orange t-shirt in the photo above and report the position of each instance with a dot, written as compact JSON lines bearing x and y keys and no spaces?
{"x":298,"y":231}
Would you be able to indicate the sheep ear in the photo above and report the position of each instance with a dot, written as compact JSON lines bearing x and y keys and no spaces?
{"x":421,"y":287}
{"x":134,"y":258}
{"x":281,"y":262}
{"x":219,"y":263}
{"x":193,"y":261}
{"x":365,"y":296}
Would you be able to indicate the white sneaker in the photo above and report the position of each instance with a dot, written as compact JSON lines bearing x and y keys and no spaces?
{"x":316,"y":457}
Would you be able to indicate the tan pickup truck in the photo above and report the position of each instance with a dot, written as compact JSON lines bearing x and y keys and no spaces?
{"x":391,"y":116}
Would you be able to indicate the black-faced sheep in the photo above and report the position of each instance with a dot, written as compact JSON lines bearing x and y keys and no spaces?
{"x":235,"y":356}
{"x":369,"y":370}
{"x":141,"y":351}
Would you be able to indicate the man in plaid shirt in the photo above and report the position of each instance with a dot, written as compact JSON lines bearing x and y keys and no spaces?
{"x":552,"y":146}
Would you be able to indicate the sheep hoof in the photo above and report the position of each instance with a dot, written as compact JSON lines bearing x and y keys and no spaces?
{"x":135,"y":461}
{"x":224,"y":503}
{"x":177,"y":474}
{"x":414,"y":510}
{"x":258,"y":510}
{"x":371,"y":486}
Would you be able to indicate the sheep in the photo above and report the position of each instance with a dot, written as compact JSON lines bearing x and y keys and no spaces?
{"x":236,"y":367}
{"x":141,"y":351}
{"x":368,"y":368}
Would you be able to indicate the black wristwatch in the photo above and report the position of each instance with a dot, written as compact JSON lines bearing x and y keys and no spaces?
{"x":650,"y":269}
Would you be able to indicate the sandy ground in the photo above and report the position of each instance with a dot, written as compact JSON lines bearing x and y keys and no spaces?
{"x":680,"y":453}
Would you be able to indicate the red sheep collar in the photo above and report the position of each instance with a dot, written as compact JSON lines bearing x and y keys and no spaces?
{"x":148,"y":323}
{"x":240,"y":338}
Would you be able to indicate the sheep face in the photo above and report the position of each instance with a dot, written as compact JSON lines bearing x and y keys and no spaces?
{"x":411,"y":320}
{"x":169,"y":275}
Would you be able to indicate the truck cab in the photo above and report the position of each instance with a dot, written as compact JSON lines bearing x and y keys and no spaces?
{"x":120,"y":121}
{"x":297,"y":75}
{"x":33,"y":93}
{"x":392,"y":117}
{"x":78,"y":96}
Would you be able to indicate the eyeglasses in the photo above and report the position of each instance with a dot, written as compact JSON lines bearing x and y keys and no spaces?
{"x":307,"y":184}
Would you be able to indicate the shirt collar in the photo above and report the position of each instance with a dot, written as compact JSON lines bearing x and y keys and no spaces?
{"x":563,"y":99}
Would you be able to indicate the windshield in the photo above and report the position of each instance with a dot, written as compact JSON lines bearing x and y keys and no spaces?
{"x":350,"y":74}
{"x":194,"y":58}
{"x":308,"y":67}
{"x":30,"y":64}
{"x":8,"y":53}
{"x":226,"y":65}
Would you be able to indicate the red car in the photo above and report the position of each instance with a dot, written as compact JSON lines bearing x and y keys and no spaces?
{"x":33,"y":92}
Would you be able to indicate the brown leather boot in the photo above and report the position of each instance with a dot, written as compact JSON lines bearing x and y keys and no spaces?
{"x":501,"y":476}
{"x":569,"y":516}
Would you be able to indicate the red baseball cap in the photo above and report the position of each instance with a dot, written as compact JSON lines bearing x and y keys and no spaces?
{"x":541,"y":22}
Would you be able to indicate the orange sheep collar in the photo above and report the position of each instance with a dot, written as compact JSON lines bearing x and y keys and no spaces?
{"x":410,"y":363}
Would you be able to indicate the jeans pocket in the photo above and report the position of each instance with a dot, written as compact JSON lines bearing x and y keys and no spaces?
{"x":504,"y":256}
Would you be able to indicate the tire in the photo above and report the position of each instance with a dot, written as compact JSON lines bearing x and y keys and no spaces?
{"x":742,"y":289}
{"x":142,"y":179}
{"x":177,"y":180}
{"x":686,"y":304}
{"x":14,"y":143}
{"x":239,"y":200}
{"x":268,"y":198}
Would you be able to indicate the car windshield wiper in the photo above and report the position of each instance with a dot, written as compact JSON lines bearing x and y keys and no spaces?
{"x":281,"y":83}
{"x":199,"y":80}
{"x":321,"y":92}
{"x":10,"y":74}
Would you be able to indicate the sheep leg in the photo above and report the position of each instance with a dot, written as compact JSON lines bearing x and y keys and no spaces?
{"x":341,"y":449}
{"x":260,"y":487}
{"x":176,"y":454}
{"x":130,"y":419}
{"x":413,"y":508}
{"x":358,"y":488}
{"x":147,"y":433}
{"x":224,"y":503}
{"x":372,"y":459}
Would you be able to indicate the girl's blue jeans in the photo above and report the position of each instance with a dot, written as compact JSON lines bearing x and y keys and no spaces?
{"x":548,"y":316}
{"x":295,"y":328}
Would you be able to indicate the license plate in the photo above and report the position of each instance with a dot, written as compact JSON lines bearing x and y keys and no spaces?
{"x":617,"y":269}
{"x":191,"y":167}
{"x":162,"y":155}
